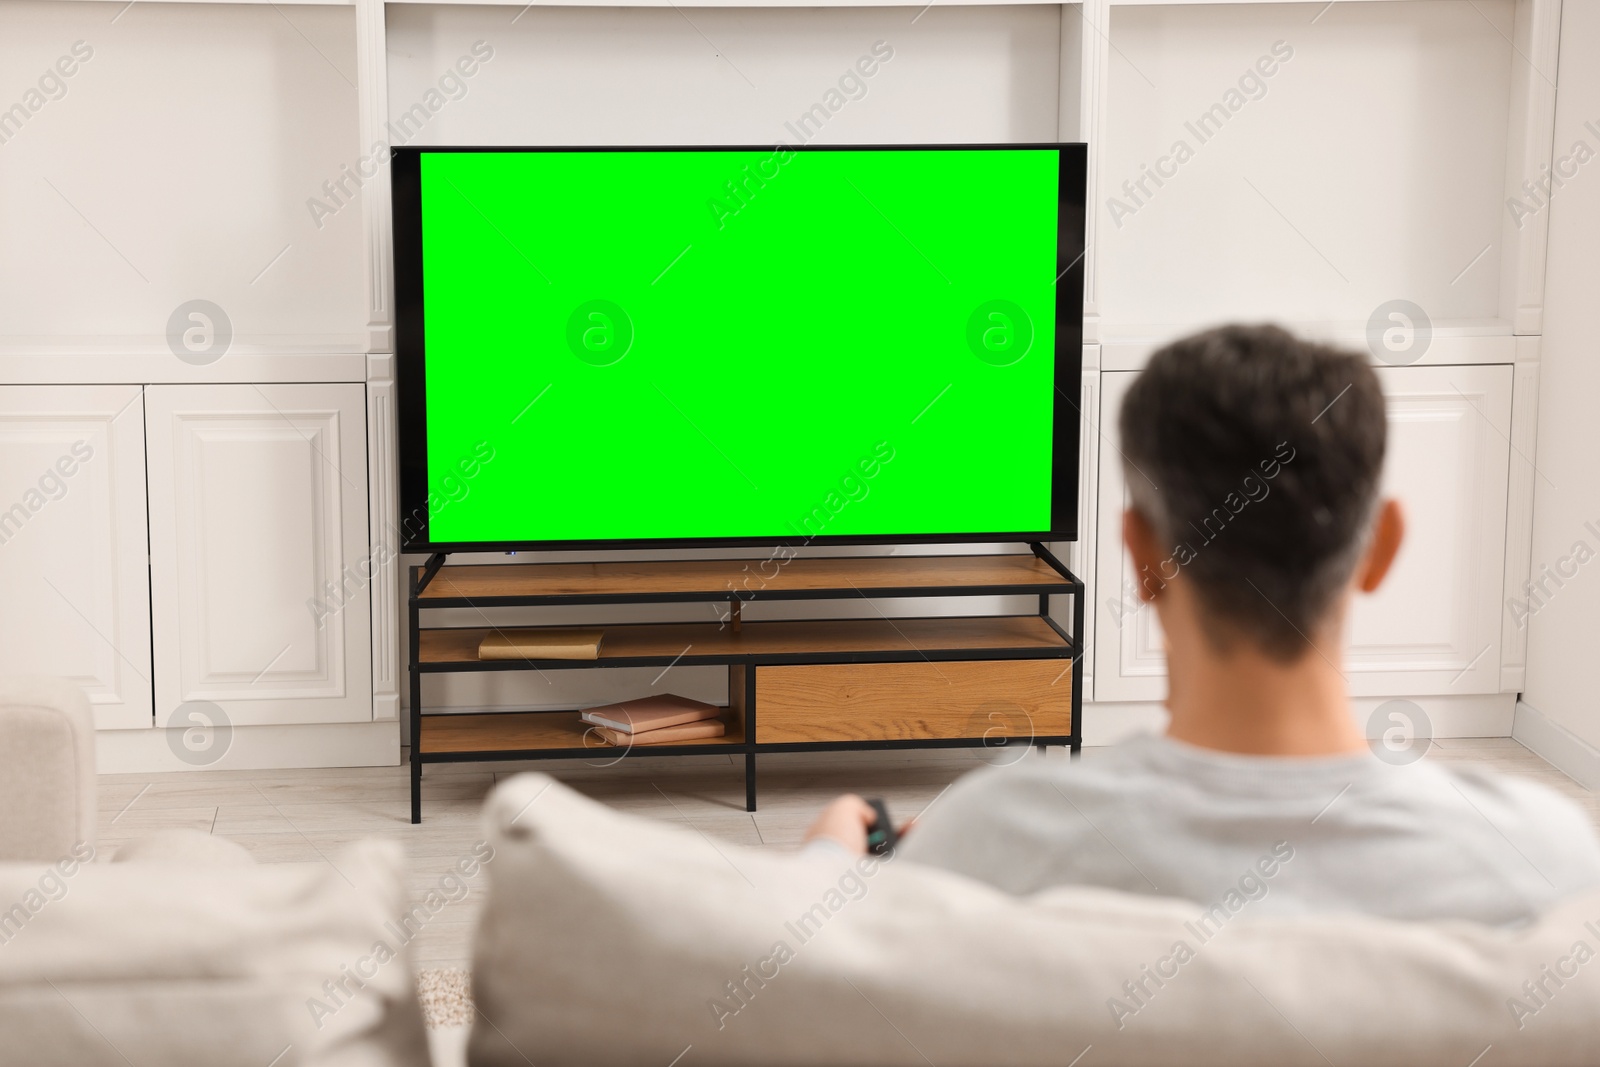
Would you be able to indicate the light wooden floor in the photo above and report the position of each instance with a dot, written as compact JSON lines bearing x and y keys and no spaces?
{"x":308,"y":815}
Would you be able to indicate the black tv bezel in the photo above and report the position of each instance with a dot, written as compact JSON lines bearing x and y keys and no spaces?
{"x":411,"y":368}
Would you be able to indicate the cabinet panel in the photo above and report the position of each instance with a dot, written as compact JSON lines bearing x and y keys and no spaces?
{"x":1433,"y":628}
{"x":73,"y":555}
{"x":1081,"y":553}
{"x":258,"y":499}
{"x":1129,"y":663}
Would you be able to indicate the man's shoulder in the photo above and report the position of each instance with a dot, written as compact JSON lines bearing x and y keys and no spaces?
{"x":1116,"y":769}
{"x":1501,"y":798}
{"x":1150,"y":772}
{"x":1031,"y":822}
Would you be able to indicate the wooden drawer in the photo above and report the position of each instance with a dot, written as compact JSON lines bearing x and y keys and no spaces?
{"x":910,"y":701}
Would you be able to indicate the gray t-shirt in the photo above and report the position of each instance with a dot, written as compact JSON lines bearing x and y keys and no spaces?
{"x":1270,"y":835}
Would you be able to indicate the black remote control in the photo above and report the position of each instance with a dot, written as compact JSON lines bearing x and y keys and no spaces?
{"x":881,"y":835}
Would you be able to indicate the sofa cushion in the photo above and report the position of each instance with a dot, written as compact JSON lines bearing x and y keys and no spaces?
{"x":207,"y":966}
{"x":610,"y":939}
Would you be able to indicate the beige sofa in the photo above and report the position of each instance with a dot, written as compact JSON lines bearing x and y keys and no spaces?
{"x":610,"y":939}
{"x":196,"y":964}
{"x":188,"y":954}
{"x":189,"y":965}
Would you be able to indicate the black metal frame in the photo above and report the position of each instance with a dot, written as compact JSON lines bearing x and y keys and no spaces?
{"x":1072,"y":649}
{"x":411,"y":357}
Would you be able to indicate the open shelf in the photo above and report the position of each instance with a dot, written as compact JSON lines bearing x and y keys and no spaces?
{"x":1227,"y":194}
{"x":274,"y":92}
{"x":808,"y":640}
{"x":539,"y":731}
{"x":804,"y":578}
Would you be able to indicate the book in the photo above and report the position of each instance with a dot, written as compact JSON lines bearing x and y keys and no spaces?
{"x":541,"y":644}
{"x":683,"y":732}
{"x":650,"y":713}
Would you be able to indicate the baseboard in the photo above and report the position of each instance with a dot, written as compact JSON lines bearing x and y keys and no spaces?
{"x":1556,"y":745}
{"x":1482,"y":715}
{"x":385,"y":706}
{"x":253,"y":748}
{"x":1105,"y":723}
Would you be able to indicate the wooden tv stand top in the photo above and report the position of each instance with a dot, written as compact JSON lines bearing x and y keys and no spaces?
{"x":798,"y":578}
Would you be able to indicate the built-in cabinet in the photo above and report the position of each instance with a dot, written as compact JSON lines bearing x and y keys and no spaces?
{"x":1299,"y":161}
{"x":1434,"y":626}
{"x":172,"y":544}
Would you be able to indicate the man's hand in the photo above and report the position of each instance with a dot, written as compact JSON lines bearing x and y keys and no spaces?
{"x":845,"y":820}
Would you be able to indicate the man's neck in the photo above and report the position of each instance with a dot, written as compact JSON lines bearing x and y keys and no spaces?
{"x":1244,"y":701}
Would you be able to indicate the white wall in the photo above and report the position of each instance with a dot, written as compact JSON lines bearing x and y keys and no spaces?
{"x":1560,"y":717}
{"x":174,"y":164}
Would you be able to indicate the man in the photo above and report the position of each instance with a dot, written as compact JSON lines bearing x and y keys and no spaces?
{"x":1253,"y":463}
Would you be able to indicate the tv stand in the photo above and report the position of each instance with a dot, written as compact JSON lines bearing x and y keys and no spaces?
{"x":794,"y":685}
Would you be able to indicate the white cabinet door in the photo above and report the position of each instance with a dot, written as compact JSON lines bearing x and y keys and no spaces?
{"x":74,"y":565}
{"x":258,"y":527}
{"x":1433,"y":628}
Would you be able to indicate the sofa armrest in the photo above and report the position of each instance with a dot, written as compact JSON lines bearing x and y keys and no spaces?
{"x":48,"y":790}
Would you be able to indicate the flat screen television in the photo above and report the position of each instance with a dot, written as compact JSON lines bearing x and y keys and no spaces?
{"x":661,"y":347}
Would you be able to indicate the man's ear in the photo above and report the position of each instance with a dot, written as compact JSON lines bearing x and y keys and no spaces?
{"x":1388,"y":530}
{"x":1140,"y":537}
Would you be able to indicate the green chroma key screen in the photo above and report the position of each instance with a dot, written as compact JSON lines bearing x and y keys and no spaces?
{"x":725,"y":345}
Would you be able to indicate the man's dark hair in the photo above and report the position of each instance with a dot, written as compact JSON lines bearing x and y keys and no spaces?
{"x":1255,"y":457}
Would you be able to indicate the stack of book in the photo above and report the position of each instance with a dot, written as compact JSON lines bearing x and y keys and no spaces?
{"x":654,"y":720}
